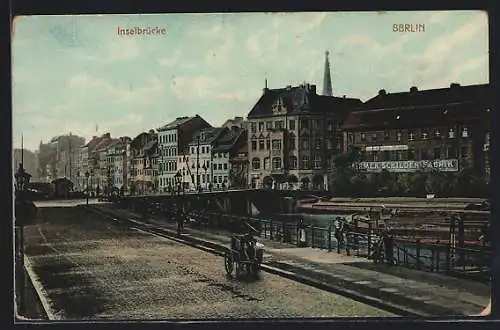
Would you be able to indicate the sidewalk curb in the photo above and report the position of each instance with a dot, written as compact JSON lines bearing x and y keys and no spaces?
{"x":216,"y":248}
{"x":40,"y":292}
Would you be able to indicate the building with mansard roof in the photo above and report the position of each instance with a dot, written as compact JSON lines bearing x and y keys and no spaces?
{"x":444,"y":129}
{"x":293,"y":135}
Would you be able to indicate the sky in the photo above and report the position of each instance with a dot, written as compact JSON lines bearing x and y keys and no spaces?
{"x":76,"y":74}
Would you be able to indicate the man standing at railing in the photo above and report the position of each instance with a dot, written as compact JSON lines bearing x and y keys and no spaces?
{"x":301,"y":233}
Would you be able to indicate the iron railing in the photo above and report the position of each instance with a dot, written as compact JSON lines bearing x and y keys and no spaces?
{"x":473,"y":263}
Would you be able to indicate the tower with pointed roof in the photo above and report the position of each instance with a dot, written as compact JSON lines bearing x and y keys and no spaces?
{"x":327,"y":79}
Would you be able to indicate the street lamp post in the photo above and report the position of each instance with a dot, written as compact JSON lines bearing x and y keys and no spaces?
{"x":87,"y":176}
{"x":22,"y":178}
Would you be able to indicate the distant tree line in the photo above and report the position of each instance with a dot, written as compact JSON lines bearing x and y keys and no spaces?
{"x":348,"y":181}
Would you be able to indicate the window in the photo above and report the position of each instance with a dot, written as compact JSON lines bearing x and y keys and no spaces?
{"x":215,"y":166}
{"x":268,"y":144}
{"x":464,"y":152}
{"x":225,"y":178}
{"x":424,"y":134}
{"x":253,"y":127}
{"x":363,"y":137}
{"x":276,"y":163}
{"x":266,"y":163}
{"x":269,"y":125}
{"x":225,"y":166}
{"x":276,"y":144}
{"x":293,"y":162}
{"x":304,"y":123}
{"x":398,"y":136}
{"x":350,"y":138}
{"x":317,"y":161}
{"x":387,"y":135}
{"x":278,"y":124}
{"x":424,"y":154}
{"x":451,"y":133}
{"x":305,"y":162}
{"x":411,"y":135}
{"x":317,"y":143}
{"x":261,"y":126}
{"x":255,"y":163}
{"x":329,"y":125}
{"x":254,"y":145}
{"x":293,"y":144}
{"x":437,"y":153}
{"x":261,"y":144}
{"x":305,"y":144}
{"x":411,"y":154}
{"x":220,"y":167}
{"x":291,"y":124}
{"x":374,"y":137}
{"x":465,"y":132}
{"x":437,"y":133}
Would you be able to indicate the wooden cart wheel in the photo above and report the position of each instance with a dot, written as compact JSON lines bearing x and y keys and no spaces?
{"x":229,"y":262}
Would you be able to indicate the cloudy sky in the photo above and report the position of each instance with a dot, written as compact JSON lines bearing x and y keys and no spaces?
{"x":75,"y":73}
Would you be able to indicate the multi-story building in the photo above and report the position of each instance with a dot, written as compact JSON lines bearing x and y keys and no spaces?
{"x":117,"y":154}
{"x":102,"y":171}
{"x":238,"y":158}
{"x":201,"y":156}
{"x":444,"y":129}
{"x":172,"y":140}
{"x":223,"y":174}
{"x":294,"y":135}
{"x":97,"y":169}
{"x":143,"y":156}
{"x":184,"y":172}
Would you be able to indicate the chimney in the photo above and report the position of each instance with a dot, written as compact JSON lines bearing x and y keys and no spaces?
{"x":312,"y":89}
{"x":289,"y":87}
{"x":265,"y":89}
{"x":413,"y":89}
{"x":343,"y":96}
{"x":454,"y":85}
{"x":107,"y":135}
{"x":382,"y":92}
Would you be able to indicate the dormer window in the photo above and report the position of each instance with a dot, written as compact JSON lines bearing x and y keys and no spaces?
{"x":411,"y":136}
{"x":465,"y":132}
{"x":451,"y":133}
{"x":425,"y":134}
{"x":398,"y":136}
{"x":437,"y":133}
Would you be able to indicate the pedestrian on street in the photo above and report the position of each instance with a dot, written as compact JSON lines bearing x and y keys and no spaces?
{"x":388,"y":247}
{"x":301,"y":232}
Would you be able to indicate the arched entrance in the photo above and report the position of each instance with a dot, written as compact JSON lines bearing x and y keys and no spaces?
{"x":304,"y":183}
{"x":292,"y":181}
{"x":267,"y":182}
{"x":317,"y":182}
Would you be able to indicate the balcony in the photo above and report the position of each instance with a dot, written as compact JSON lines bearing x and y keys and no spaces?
{"x":276,"y":153}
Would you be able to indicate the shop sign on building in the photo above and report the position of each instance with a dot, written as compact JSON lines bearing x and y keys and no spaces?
{"x":443,"y":165}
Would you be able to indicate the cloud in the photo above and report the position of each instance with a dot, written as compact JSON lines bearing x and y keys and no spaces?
{"x":457,"y":73}
{"x":440,"y":47}
{"x":171,"y":60}
{"x":189,"y":87}
{"x":101,"y":89}
{"x":316,"y":21}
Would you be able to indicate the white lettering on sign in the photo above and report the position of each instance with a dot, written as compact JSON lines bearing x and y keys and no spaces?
{"x":387,"y":148}
{"x":444,"y":165}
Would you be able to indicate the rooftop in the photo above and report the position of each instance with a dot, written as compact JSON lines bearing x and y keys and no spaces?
{"x":300,"y":99}
{"x":176,"y":123}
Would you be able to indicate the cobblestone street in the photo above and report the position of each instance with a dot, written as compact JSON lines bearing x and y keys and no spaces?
{"x":91,"y":269}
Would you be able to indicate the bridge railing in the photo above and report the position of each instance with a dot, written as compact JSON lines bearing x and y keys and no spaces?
{"x":417,"y":254}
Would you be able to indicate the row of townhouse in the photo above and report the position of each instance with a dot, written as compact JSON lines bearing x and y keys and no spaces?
{"x":292,"y":136}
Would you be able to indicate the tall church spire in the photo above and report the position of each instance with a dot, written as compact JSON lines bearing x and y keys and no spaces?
{"x":327,"y":79}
